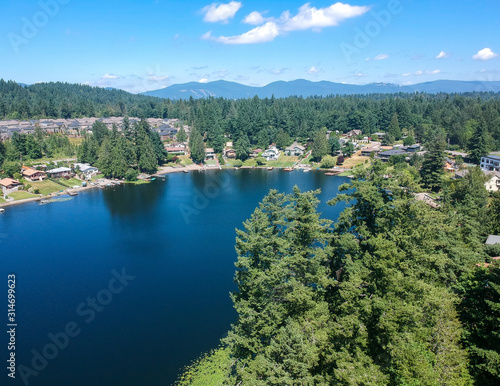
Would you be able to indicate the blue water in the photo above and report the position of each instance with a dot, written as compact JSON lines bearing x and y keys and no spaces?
{"x":173,"y":240}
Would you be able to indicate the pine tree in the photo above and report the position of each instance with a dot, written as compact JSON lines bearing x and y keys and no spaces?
{"x":432,"y":170}
{"x":196,"y":146}
{"x":147,"y":161}
{"x":181,"y":134}
{"x":320,"y":146}
{"x":242,"y":147}
{"x":394,"y":129}
{"x":478,"y":146}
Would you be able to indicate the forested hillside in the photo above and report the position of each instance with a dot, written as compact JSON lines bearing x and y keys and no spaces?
{"x":390,"y":294}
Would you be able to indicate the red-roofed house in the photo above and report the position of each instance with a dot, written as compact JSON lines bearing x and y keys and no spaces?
{"x":9,"y":183}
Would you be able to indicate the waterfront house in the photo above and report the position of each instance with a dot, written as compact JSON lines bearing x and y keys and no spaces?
{"x":255,"y":153}
{"x":9,"y":183}
{"x":385,"y":155}
{"x":209,"y":154}
{"x":353,"y":133}
{"x":271,"y":154}
{"x":176,"y":150}
{"x":490,"y":163}
{"x":60,"y":172}
{"x":230,"y":153}
{"x":367,"y":151}
{"x":87,"y":170}
{"x":295,"y":150}
{"x":493,"y":184}
{"x":34,"y":175}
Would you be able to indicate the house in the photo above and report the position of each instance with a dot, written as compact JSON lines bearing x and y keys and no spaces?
{"x":271,"y":154}
{"x":255,"y":153}
{"x":34,"y":175}
{"x":176,"y":150}
{"x":380,"y":135}
{"x":9,"y":183}
{"x":385,"y":155}
{"x":87,"y":170}
{"x":59,"y":172}
{"x":490,"y":163}
{"x":353,"y":133}
{"x":449,"y":165}
{"x":413,"y":148}
{"x":367,"y":151}
{"x":230,"y":153}
{"x":166,"y":132}
{"x":209,"y":154}
{"x":493,"y":184}
{"x":295,"y":150}
{"x":492,"y":239}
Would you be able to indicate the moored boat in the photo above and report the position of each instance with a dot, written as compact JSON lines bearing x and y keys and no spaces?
{"x":288,"y":169}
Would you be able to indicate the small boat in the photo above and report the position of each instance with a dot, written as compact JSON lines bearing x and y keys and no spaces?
{"x":186,"y":171}
{"x":270,"y":168}
{"x":306,"y":170}
{"x":288,"y":169}
{"x":2,"y":210}
{"x":152,"y":179}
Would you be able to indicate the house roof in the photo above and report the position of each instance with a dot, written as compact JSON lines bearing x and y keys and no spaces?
{"x":30,"y":172}
{"x":492,"y":239}
{"x":295,"y":145}
{"x":495,"y":157}
{"x":209,"y":150}
{"x":388,"y":153}
{"x":8,"y":182}
{"x":59,"y":170}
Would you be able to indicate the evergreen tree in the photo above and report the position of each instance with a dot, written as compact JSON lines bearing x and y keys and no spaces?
{"x":181,"y":135}
{"x":147,"y":161}
{"x":432,"y":170}
{"x":478,"y":146}
{"x":394,"y":129}
{"x":242,"y":147}
{"x":105,"y":158}
{"x":196,"y":146}
{"x":320,"y":146}
{"x":334,"y":144}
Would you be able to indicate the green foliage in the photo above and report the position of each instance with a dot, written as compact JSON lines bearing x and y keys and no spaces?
{"x":131,"y":175}
{"x":181,"y":135}
{"x":260,"y":161}
{"x":196,"y":146}
{"x":327,"y":161}
{"x":210,"y":370}
{"x":238,"y":163}
{"x":408,"y":141}
{"x":394,"y":129}
{"x":320,"y":146}
{"x":348,"y":150}
{"x":432,"y":170}
{"x":334,"y":144}
{"x":242,"y":147}
{"x":11,"y":167}
{"x":478,"y":145}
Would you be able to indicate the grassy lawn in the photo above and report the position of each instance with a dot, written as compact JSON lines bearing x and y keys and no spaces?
{"x":185,"y":160}
{"x":69,"y":183}
{"x":283,"y":162}
{"x":2,"y":200}
{"x":21,"y":195}
{"x":47,"y":187}
{"x":210,"y":163}
{"x":138,"y":182}
{"x":354,"y":160}
{"x":98,"y":176}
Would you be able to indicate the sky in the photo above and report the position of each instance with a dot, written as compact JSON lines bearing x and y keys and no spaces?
{"x":150,"y":44}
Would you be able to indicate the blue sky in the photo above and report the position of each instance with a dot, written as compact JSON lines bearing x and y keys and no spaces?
{"x":150,"y":44}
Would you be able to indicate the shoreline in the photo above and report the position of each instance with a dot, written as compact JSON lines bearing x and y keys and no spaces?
{"x":162,"y":171}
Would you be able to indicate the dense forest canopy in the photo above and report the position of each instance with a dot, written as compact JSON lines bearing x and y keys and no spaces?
{"x":262,"y":120}
{"x":393,"y":293}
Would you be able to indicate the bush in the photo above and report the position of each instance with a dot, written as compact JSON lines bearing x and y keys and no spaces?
{"x":327,"y":162}
{"x":36,"y":191}
{"x":260,"y":161}
{"x":238,"y":163}
{"x":131,"y":175}
{"x":340,"y":160}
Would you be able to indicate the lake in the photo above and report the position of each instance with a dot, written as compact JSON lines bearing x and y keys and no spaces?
{"x":128,"y":284}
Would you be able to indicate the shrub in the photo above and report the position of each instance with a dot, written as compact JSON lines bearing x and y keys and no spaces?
{"x":327,"y":162}
{"x":238,"y":163}
{"x":260,"y":161}
{"x":131,"y":175}
{"x":340,"y":160}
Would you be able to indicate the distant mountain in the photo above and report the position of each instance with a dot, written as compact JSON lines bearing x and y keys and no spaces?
{"x":305,"y":88}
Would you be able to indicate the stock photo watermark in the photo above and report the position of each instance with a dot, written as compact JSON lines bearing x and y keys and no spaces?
{"x":59,"y":341}
{"x":363,"y":37}
{"x":32,"y":25}
{"x":201,"y":199}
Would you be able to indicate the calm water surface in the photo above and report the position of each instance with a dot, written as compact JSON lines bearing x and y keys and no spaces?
{"x":132,"y":282}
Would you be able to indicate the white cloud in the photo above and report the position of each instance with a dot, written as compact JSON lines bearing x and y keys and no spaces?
{"x":442,"y":55}
{"x":313,"y":71}
{"x":306,"y":18}
{"x":485,"y":54}
{"x":312,"y":17}
{"x":261,"y":34}
{"x":110,"y":76}
{"x":254,"y":18}
{"x":203,"y":80}
{"x":217,"y":12}
{"x":422,"y":72}
{"x":381,"y":57}
{"x":157,"y":78}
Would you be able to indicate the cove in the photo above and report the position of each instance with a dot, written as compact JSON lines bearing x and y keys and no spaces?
{"x":126,"y":285}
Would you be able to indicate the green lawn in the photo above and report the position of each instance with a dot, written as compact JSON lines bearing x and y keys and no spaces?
{"x":283,"y":161}
{"x":138,"y":182}
{"x":98,"y":176}
{"x":47,"y":187}
{"x":22,"y":195}
{"x":69,"y":183}
{"x":185,"y":160}
{"x":2,"y":200}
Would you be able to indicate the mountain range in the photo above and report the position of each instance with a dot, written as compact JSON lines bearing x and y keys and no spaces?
{"x":305,"y":88}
